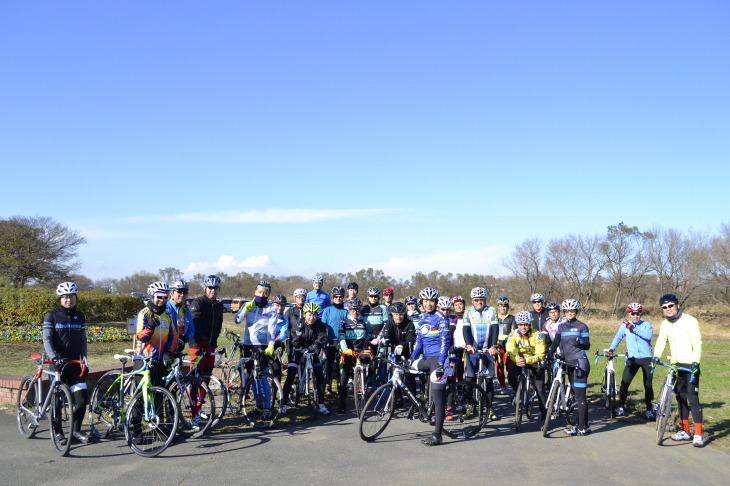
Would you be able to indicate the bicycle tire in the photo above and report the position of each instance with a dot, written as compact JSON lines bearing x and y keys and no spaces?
{"x":26,"y":406}
{"x":359,"y":388}
{"x":518,"y":407}
{"x":106,"y":405}
{"x":262,"y":418}
{"x":611,"y":395}
{"x":193,"y":400}
{"x":554,"y":392}
{"x":571,"y":413}
{"x":469,"y":409}
{"x":235,"y":391}
{"x":313,"y":396}
{"x":530,"y":397}
{"x":150,"y":437}
{"x":219,"y":395}
{"x":377,"y":412}
{"x":62,"y":418}
{"x":663,"y":413}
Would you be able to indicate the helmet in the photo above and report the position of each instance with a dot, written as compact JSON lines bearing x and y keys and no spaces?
{"x":523,"y":317}
{"x":158,"y":287}
{"x":179,"y":285}
{"x":212,"y":281}
{"x":668,"y":298}
{"x":571,"y":304}
{"x":634,"y":307}
{"x":458,"y":298}
{"x":354,"y":303}
{"x":397,"y":308}
{"x":318,"y":279}
{"x":411,"y":299}
{"x":66,"y":288}
{"x":537,"y":296}
{"x":300,"y":292}
{"x":553,"y":306}
{"x":337,"y":290}
{"x":478,"y":292}
{"x":429,"y":293}
{"x":312,"y":307}
{"x":264,"y":284}
{"x":503,"y":300}
{"x":279,"y":299}
{"x":373,"y":291}
{"x":388,"y":291}
{"x":444,"y":302}
{"x":353,"y":285}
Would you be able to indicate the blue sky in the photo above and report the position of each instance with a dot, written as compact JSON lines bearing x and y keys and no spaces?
{"x":301,"y":137}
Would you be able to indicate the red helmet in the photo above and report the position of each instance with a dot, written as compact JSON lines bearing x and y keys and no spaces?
{"x":388,"y":291}
{"x":634,"y":307}
{"x":458,"y":298}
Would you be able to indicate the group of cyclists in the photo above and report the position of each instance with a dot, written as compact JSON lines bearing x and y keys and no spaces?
{"x":434,"y":334}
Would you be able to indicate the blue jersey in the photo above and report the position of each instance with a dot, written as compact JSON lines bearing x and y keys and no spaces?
{"x":638,"y":340}
{"x":433,"y":338}
{"x":332,"y":316}
{"x":319,"y":297}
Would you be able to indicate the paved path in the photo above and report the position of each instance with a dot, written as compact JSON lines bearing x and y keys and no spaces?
{"x":329,"y":451}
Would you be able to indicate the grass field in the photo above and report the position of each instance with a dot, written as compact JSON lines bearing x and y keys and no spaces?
{"x":714,"y":392}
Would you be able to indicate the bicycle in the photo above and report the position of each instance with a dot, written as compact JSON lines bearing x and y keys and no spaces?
{"x":192,"y":398}
{"x":218,"y":391}
{"x":361,"y":375}
{"x":525,"y":396}
{"x":306,"y":388}
{"x":663,"y":408}
{"x":33,"y":406}
{"x":152,"y":416}
{"x":109,"y":399}
{"x":561,"y":399}
{"x":257,"y":396}
{"x":468,"y":414}
{"x":609,"y":388}
{"x":226,"y":368}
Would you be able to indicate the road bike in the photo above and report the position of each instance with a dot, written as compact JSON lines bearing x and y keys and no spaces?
{"x":663,"y":406}
{"x":561,"y":399}
{"x":468,"y":413}
{"x":306,"y":388}
{"x":110,"y":397}
{"x":361,"y":375}
{"x":218,"y":390}
{"x":258,"y":395}
{"x":32,"y":405}
{"x":525,"y":397}
{"x":193,"y":399}
{"x":609,"y":387}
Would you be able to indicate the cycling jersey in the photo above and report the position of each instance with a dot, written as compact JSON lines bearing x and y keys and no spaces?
{"x":354,"y":335}
{"x":319,"y":297}
{"x":530,"y":347}
{"x":184,"y":320}
{"x":477,"y":326}
{"x":433,"y":337}
{"x":155,"y":343}
{"x":375,"y":315}
{"x":551,"y":327}
{"x":260,"y":322}
{"x":332,"y":316}
{"x":64,"y":333}
{"x":207,"y":321}
{"x":400,"y":334}
{"x":573,"y":339}
{"x":638,"y":340}
{"x":684,"y":339}
{"x":313,"y":338}
{"x":538,"y":318}
{"x":507,"y":324}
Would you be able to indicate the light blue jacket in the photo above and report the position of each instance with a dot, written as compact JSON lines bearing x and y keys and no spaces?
{"x":638,"y":340}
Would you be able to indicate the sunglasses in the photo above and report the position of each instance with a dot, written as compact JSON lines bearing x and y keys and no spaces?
{"x":668,"y":306}
{"x":182,"y":292}
{"x":537,"y":302}
{"x":635,"y":313}
{"x":161,"y":297}
{"x":338,"y":296}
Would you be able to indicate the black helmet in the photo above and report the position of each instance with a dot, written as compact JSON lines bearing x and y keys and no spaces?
{"x":668,"y":298}
{"x":553,"y":306}
{"x":397,"y":308}
{"x":337,"y":290}
{"x":353,"y":285}
{"x":279,"y":299}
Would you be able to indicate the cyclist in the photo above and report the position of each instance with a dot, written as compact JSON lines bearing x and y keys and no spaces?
{"x":313,"y":338}
{"x":157,"y":335}
{"x":481,"y":330}
{"x":539,"y":312}
{"x":683,"y":333}
{"x":638,"y":335}
{"x":412,"y":310}
{"x":507,"y":324}
{"x":573,"y":339}
{"x":354,"y":337}
{"x":388,"y":297}
{"x":374,"y":313}
{"x":526,"y":347}
{"x":444,"y":305}
{"x":317,"y":295}
{"x":207,"y":315}
{"x":352,"y":290}
{"x":64,"y":339}
{"x":281,"y":333}
{"x":178,"y":310}
{"x":457,"y":337}
{"x":433,"y":341}
{"x":332,"y":316}
{"x":401,"y":334}
{"x":295,"y":314}
{"x":550,"y":326}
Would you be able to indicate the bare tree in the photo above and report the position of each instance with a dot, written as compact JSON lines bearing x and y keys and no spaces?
{"x":575,"y":264}
{"x":37,"y":250}
{"x":527,"y":263}
{"x":719,"y":268}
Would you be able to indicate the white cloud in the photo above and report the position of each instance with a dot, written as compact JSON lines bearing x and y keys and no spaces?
{"x":273,"y":215}
{"x":229,"y":264}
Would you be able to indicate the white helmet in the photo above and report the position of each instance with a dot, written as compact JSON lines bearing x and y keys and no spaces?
{"x":158,"y":286}
{"x":318,"y":279}
{"x":179,"y":285}
{"x":571,"y":304}
{"x":66,"y":288}
{"x":478,"y":292}
{"x":523,"y":317}
{"x":300,"y":292}
{"x":537,"y":296}
{"x":444,"y":302}
{"x":429,"y":293}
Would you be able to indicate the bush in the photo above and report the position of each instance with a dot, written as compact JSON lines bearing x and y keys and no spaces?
{"x":29,"y":333}
{"x":28,"y":306}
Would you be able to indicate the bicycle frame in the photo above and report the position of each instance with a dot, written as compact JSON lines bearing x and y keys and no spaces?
{"x":610,"y":386}
{"x":54,"y":377}
{"x":663,"y":408}
{"x":303,"y":372}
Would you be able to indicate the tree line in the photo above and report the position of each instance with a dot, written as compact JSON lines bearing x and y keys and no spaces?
{"x":602,"y":271}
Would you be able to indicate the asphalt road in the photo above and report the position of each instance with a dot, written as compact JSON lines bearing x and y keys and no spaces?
{"x":329,"y":451}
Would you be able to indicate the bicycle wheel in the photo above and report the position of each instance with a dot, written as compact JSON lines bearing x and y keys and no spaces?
{"x":663,"y":413}
{"x":311,"y":394}
{"x":235,"y":391}
{"x":62,"y":418}
{"x":611,"y":395}
{"x":518,"y":406}
{"x":530,"y":397}
{"x":195,"y":406}
{"x":359,"y":388}
{"x":551,"y":408}
{"x":377,"y":412}
{"x":468,"y":411}
{"x":150,"y":430}
{"x":261,"y":403}
{"x":219,"y":396}
{"x":26,"y":406}
{"x":571,"y":413}
{"x":106,"y":405}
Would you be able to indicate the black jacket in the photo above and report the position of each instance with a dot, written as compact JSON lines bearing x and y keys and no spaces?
{"x":207,"y":319}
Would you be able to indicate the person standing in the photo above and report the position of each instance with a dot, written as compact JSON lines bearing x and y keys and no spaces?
{"x":207,"y":315}
{"x":317,"y":295}
{"x":507,"y":324}
{"x":539,"y":312}
{"x":180,"y":313}
{"x":64,"y":339}
{"x":332,"y":316}
{"x":682,"y":331}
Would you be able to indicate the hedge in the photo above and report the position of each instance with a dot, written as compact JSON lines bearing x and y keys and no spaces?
{"x":29,"y":333}
{"x":28,"y":306}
